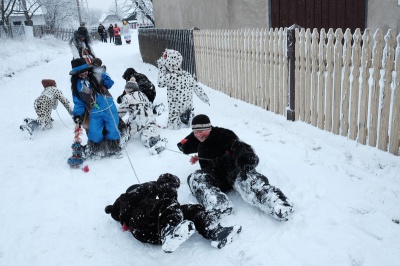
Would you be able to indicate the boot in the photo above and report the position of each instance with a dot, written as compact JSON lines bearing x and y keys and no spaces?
{"x":30,"y":126}
{"x":158,"y":109}
{"x":94,"y":151}
{"x":256,"y":190}
{"x":280,"y":206}
{"x":187,"y":117}
{"x":113,"y":149}
{"x":223,"y":236}
{"x":173,"y":237}
{"x":158,"y":147}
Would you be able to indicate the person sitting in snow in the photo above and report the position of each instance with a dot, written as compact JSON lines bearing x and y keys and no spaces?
{"x":89,"y":94}
{"x":145,"y":85}
{"x":141,"y":119}
{"x":153,"y":215}
{"x":80,"y":44}
{"x":228,"y":163}
{"x":44,"y":104}
{"x":180,"y":87}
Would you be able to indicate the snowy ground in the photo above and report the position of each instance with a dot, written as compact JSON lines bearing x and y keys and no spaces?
{"x":346,"y":195}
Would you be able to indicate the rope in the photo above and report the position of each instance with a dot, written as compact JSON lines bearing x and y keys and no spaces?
{"x":119,"y":134}
{"x":61,"y":119}
{"x":205,"y":159}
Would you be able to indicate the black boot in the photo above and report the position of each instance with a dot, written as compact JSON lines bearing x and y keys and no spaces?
{"x":222,"y":236}
{"x":113,"y":149}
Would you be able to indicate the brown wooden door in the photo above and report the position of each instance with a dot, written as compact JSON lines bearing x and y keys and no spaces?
{"x":319,"y":13}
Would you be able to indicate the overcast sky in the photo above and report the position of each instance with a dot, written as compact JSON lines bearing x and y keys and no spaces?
{"x":100,"y":4}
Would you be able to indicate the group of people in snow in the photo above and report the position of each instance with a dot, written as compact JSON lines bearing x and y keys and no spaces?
{"x":151,"y":211}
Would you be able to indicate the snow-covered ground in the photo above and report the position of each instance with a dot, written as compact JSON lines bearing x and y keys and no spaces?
{"x":346,"y":195}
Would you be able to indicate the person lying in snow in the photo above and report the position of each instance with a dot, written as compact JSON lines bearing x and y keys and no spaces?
{"x":180,"y":87}
{"x":44,"y":104}
{"x":153,"y":215}
{"x":228,"y":163}
{"x":141,"y":119}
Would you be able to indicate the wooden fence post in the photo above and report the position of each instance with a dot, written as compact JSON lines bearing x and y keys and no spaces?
{"x":321,"y":80}
{"x":345,"y":83}
{"x":329,"y":80}
{"x":364,"y":96}
{"x":314,"y":76}
{"x":355,"y":84}
{"x":387,"y":61}
{"x":377,"y":65}
{"x":337,"y":80}
{"x":394,"y":139}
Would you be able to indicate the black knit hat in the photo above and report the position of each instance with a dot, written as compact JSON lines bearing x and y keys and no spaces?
{"x":201,"y":122}
{"x":79,"y":65}
{"x":169,"y":179}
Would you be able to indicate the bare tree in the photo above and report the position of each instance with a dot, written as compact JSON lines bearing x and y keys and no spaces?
{"x":29,"y":8}
{"x":59,"y":13}
{"x":7,"y":8}
{"x":146,"y":7}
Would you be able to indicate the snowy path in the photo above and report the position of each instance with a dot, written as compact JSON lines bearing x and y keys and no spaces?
{"x":346,"y":195}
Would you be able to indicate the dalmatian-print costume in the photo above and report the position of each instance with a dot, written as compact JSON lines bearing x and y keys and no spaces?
{"x":180,"y":87}
{"x":141,"y":120}
{"x":44,"y":104}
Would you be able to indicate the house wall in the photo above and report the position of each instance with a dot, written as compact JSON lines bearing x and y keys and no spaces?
{"x":211,"y":14}
{"x":36,"y":19}
{"x":383,"y":14}
{"x":244,"y":14}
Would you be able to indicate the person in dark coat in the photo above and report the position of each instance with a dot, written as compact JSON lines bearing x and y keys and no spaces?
{"x":228,"y":163}
{"x":111,"y":33}
{"x":102,"y":32}
{"x":153,"y":215}
{"x":145,"y":85}
{"x":81,"y":42}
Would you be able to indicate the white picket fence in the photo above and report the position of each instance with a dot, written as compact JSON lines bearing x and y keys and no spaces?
{"x":344,"y":83}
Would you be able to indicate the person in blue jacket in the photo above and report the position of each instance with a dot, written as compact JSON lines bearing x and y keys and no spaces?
{"x":91,"y":94}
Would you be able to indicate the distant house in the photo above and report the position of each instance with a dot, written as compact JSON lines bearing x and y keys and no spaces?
{"x":111,"y":19}
{"x":18,"y":18}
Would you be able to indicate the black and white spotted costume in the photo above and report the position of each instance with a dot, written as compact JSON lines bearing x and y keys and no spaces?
{"x":44,"y":105}
{"x":141,"y":119}
{"x":180,"y":87}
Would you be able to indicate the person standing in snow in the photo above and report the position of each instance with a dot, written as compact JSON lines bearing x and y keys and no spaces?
{"x":89,"y":94}
{"x":180,"y":87}
{"x":111,"y":33}
{"x":117,"y":34}
{"x":102,"y":32}
{"x":228,"y":163}
{"x":141,"y":119}
{"x":44,"y":104}
{"x":81,"y":43}
{"x":125,"y":32}
{"x":152,"y":213}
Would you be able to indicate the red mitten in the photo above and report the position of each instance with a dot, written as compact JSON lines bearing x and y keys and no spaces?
{"x":125,"y":227}
{"x":193,"y":159}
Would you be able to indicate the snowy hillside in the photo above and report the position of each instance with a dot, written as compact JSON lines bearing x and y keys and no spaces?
{"x":346,"y":195}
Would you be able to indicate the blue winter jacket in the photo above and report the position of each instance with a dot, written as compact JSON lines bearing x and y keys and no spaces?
{"x":98,"y":102}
